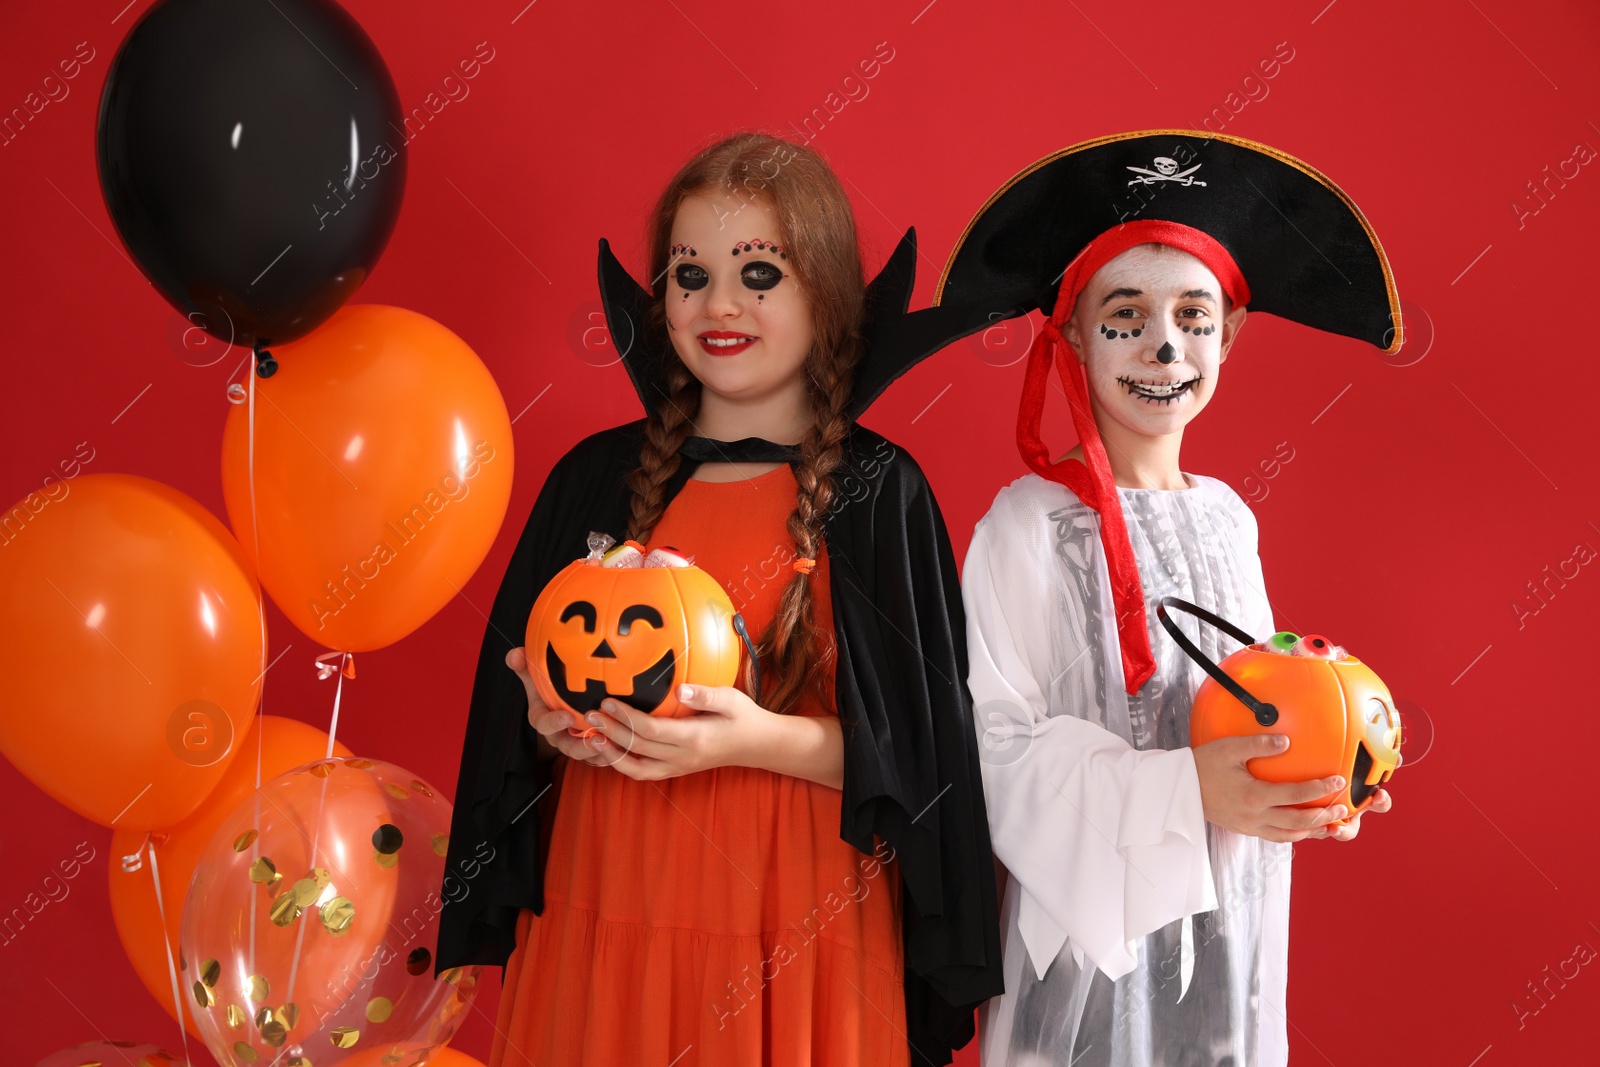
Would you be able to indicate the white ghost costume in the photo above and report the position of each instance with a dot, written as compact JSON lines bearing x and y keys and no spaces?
{"x":1136,"y":934}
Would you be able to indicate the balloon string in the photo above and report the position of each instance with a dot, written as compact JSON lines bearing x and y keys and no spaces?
{"x":261,"y":610}
{"x":255,"y":537}
{"x":345,"y":668}
{"x":135,"y":859}
{"x":166,"y":941}
{"x":300,"y":933}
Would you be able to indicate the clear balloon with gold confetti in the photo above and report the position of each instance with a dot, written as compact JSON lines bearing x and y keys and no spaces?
{"x":309,"y":928}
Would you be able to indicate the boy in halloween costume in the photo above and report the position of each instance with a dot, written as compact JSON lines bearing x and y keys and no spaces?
{"x":1146,"y":912}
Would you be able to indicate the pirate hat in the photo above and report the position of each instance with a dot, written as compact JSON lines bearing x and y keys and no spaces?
{"x":1279,"y":236}
{"x":895,"y":340}
{"x":1305,"y":248}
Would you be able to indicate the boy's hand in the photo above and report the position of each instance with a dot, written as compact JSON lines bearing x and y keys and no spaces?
{"x":1381,"y":802}
{"x":1237,"y":800}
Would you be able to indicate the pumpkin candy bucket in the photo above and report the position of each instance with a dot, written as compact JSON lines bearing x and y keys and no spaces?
{"x":632,"y":624}
{"x":1340,"y":717}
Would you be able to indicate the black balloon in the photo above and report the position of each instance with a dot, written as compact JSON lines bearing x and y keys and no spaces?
{"x":252,"y":156}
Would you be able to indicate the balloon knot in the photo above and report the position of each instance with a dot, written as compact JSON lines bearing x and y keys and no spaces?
{"x":326,"y":670}
{"x":266,"y":366}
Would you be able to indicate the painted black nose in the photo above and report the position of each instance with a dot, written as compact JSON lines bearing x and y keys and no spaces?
{"x":604,"y":651}
{"x":1166,"y":353}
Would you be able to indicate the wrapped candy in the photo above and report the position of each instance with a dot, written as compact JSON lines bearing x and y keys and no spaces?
{"x":1281,"y":643}
{"x":627,"y":554}
{"x":598,"y":543}
{"x":1317,"y":647}
{"x":667,"y":556}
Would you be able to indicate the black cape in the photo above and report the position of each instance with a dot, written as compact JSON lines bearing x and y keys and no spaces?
{"x":911,"y":773}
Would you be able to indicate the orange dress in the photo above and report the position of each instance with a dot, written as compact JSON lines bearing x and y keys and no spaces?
{"x":717,"y":917}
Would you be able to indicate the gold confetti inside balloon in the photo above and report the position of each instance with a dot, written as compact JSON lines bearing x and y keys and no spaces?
{"x":313,"y":911}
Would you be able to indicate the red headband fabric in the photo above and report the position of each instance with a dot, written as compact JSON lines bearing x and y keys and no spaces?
{"x":1093,"y":484}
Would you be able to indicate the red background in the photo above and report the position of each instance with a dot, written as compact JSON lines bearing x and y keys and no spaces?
{"x":1420,"y":500}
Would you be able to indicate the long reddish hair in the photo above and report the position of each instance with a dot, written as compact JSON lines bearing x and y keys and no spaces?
{"x":818,"y":230}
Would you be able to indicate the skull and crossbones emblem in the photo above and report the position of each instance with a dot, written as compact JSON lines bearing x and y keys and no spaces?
{"x":1166,"y":171}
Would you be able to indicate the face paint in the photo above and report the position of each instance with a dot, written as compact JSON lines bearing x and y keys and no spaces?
{"x":682,"y":250}
{"x":759,"y":245}
{"x":691,"y":277}
{"x":760,"y":275}
{"x":1120,"y":334}
{"x":1152,"y":391}
{"x":1149,"y":301}
{"x":741,"y":319}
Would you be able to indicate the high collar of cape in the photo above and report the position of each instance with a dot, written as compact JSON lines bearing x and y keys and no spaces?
{"x":911,"y":774}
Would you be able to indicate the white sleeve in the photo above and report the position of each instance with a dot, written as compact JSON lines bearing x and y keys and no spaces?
{"x":1107,"y":842}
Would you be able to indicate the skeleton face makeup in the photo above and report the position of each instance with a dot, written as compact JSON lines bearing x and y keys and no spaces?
{"x":738,"y":317}
{"x":1151,"y":332}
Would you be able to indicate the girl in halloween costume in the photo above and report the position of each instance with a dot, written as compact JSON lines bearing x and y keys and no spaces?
{"x":1145,"y":915}
{"x":789,"y":876}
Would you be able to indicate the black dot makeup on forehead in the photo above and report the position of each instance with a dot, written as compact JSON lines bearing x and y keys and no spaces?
{"x":679,"y":250}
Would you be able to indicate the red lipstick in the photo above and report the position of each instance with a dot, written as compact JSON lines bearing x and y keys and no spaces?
{"x":725,"y":342}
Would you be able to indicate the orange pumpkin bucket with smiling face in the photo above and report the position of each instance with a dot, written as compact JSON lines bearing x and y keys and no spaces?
{"x":632,"y":625}
{"x":1340,"y":717}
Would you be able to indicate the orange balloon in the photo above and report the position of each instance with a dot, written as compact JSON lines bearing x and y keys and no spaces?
{"x":383,"y":462}
{"x":131,"y":645}
{"x":285,"y":744}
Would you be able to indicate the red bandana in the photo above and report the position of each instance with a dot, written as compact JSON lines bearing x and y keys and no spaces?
{"x":1093,"y":484}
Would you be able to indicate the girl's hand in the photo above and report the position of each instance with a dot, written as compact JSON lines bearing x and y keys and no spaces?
{"x":1237,"y":800}
{"x":1381,"y":803}
{"x":730,"y":730}
{"x":551,"y":723}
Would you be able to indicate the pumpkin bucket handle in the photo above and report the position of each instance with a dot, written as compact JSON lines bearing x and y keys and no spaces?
{"x":749,"y":647}
{"x":1265,"y":713}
